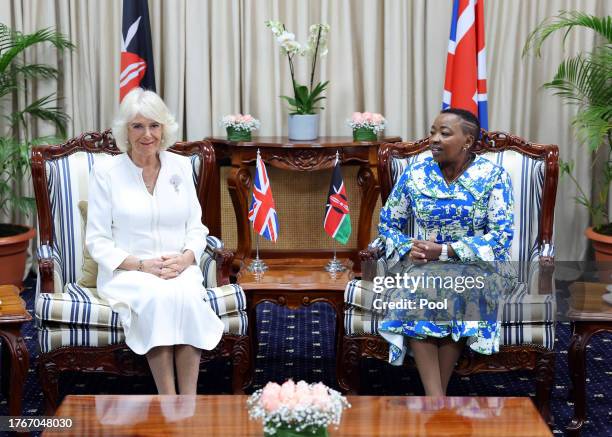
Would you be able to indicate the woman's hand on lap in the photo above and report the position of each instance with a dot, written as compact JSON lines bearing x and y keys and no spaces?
{"x":425,"y":250}
{"x":174,"y":264}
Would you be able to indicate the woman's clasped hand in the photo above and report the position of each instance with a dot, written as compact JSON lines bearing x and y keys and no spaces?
{"x":167,"y":266}
{"x":423,"y":251}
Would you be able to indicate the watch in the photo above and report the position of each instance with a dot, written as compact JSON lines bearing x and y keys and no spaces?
{"x":444,"y":254}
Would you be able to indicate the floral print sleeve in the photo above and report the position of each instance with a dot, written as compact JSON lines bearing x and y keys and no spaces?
{"x":494,"y":244}
{"x":394,"y":218}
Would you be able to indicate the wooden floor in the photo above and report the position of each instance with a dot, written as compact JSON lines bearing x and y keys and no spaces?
{"x":226,"y":415}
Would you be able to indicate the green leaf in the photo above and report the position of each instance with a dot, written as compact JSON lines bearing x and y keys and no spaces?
{"x":566,"y":20}
{"x":14,"y":74}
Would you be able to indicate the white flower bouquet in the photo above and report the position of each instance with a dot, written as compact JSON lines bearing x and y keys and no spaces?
{"x":296,"y":409}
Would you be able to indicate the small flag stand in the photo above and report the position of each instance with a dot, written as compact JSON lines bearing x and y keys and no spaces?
{"x":334,"y":265}
{"x":257,"y":266}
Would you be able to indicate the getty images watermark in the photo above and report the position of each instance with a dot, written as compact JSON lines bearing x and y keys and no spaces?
{"x":424,"y":282}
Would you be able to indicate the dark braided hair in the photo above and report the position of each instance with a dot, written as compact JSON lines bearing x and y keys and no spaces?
{"x":469,"y":122}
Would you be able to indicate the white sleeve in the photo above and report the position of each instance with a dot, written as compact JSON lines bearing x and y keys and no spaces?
{"x":99,"y":236}
{"x":195,"y":231}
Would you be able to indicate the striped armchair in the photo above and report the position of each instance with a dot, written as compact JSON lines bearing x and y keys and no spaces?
{"x":527,"y":313}
{"x":77,"y":330}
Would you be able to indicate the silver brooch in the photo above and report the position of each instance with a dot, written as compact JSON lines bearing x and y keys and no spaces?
{"x":175,"y":181}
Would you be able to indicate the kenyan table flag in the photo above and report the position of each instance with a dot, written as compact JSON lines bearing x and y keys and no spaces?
{"x":337,"y":222}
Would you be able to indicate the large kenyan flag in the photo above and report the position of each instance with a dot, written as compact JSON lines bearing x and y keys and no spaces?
{"x":337,"y":222}
{"x":136,"y":49}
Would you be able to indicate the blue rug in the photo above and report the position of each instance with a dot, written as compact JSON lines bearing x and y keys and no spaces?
{"x":300,"y":344}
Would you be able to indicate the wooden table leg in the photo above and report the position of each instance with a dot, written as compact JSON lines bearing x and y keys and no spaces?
{"x":20,"y":359}
{"x":582,"y":333}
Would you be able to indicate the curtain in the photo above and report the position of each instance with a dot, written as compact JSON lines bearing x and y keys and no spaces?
{"x":215,"y":57}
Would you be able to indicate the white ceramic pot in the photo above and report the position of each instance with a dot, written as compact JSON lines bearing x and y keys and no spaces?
{"x":304,"y":127}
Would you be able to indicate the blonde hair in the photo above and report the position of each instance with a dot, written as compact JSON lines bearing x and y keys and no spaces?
{"x":146,"y":104}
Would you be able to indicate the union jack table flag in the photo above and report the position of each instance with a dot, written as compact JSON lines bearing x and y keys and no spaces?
{"x":465,"y":85}
{"x":337,"y":222}
{"x":136,"y":48}
{"x":263,"y":212}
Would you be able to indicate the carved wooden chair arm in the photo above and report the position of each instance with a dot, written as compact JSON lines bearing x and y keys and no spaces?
{"x":223,"y":259}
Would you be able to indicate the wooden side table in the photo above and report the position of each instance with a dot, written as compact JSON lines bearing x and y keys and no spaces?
{"x":589,"y":315}
{"x":15,"y":356}
{"x":283,"y":153}
{"x":293,"y":282}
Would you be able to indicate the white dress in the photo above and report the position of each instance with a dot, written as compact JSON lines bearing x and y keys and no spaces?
{"x":125,"y":219}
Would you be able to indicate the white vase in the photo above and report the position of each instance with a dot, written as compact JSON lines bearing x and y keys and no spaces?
{"x":304,"y":127}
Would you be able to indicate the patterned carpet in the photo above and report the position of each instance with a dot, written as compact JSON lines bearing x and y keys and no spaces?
{"x":299,"y":344}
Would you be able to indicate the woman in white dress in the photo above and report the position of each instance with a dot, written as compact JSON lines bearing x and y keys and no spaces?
{"x":144,"y":230}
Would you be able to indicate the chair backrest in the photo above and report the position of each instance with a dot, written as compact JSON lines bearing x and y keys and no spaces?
{"x":61,"y":179}
{"x":533,"y":169}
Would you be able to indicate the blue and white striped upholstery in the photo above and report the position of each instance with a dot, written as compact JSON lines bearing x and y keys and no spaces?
{"x":360,"y":322}
{"x":527,"y":317}
{"x":54,"y":335}
{"x":75,"y":315}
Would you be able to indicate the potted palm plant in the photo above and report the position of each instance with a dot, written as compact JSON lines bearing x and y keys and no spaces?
{"x":585,"y":80}
{"x":17,"y":140}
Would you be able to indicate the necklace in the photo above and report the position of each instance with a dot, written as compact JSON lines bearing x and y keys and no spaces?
{"x":461,"y":170}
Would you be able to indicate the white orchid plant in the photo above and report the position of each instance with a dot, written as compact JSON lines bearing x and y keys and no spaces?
{"x":305,"y":98}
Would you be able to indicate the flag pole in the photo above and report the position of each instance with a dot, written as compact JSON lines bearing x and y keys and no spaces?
{"x":257,"y":266}
{"x":334,"y":265}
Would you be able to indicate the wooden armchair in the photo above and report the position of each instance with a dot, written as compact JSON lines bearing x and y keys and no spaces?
{"x":77,"y":330}
{"x":528,"y":312}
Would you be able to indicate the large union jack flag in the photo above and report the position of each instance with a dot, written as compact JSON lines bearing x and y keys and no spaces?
{"x":465,"y":85}
{"x":263,"y":212}
{"x":136,"y":48}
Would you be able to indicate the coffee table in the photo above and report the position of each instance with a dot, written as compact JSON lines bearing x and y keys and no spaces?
{"x":226,"y":415}
{"x":15,"y":356}
{"x":589,"y":315}
{"x":293,"y":282}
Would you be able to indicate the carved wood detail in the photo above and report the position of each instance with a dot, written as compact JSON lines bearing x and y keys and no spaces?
{"x":303,"y":159}
{"x":581,"y":335}
{"x":347,"y":365}
{"x":118,"y":359}
{"x":241,"y":361}
{"x":19,"y":359}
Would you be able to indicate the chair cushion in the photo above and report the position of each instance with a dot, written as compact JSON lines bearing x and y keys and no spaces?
{"x":360,"y":322}
{"x":520,"y":306}
{"x":89,"y":270}
{"x":54,"y":335}
{"x":82,"y":306}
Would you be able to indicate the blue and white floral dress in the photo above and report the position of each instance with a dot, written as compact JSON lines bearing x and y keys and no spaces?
{"x":474,"y":214}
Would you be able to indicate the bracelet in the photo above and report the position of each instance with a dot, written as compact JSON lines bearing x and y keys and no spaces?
{"x":444,"y":254}
{"x":140,"y":265}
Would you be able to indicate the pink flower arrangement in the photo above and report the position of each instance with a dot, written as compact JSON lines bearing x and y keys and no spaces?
{"x":244,"y":122}
{"x":297,"y":406}
{"x":368,"y":120}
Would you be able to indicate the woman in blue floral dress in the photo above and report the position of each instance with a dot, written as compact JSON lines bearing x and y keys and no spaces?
{"x":462,"y":207}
